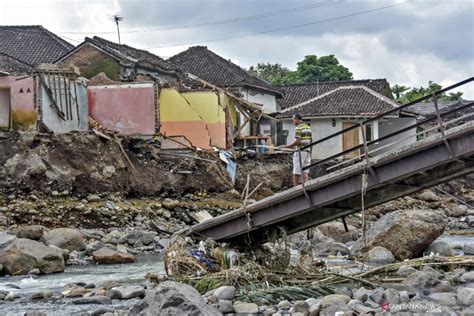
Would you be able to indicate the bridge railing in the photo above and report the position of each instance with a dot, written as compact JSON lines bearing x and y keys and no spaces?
{"x":433,"y":123}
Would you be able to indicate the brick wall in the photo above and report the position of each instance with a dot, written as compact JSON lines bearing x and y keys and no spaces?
{"x":92,"y":61}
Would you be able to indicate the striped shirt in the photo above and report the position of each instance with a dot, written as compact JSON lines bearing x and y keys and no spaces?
{"x":304,"y":134}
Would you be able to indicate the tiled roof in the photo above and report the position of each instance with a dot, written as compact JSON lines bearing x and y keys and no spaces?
{"x":427,"y":108}
{"x":128,"y":54}
{"x":294,"y":94}
{"x":209,"y":66}
{"x":343,"y":101}
{"x":32,"y":44}
{"x":13,"y":66}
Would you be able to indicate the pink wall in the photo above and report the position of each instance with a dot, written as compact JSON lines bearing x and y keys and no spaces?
{"x":23,"y":111}
{"x":124,"y":108}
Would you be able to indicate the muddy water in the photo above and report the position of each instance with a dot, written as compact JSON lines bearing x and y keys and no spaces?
{"x":124,"y":274}
{"x":128,"y":274}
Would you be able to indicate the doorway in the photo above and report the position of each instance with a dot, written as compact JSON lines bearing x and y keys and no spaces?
{"x":350,"y":139}
{"x":5,"y":108}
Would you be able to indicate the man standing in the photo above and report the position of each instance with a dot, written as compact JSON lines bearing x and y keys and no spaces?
{"x":303,"y":137}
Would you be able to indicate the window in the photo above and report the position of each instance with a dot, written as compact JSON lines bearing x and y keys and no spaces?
{"x":369,"y":133}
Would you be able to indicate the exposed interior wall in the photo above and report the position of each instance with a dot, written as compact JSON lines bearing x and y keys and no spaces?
{"x":76,"y":116}
{"x":125,"y":108}
{"x":391,"y":125}
{"x":198,"y":116}
{"x":22,"y":113}
{"x":268,"y":102}
{"x":91,"y":61}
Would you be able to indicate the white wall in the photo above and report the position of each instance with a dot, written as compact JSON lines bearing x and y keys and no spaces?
{"x":267,"y":100}
{"x":320,"y":128}
{"x":75,"y":122}
{"x":391,"y":125}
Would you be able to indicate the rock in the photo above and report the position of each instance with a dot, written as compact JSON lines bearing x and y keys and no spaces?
{"x":93,"y":198}
{"x":468,"y":248}
{"x":325,"y":246}
{"x":404,"y":297}
{"x":172,"y":298}
{"x":109,"y":284}
{"x":336,"y":231}
{"x":343,"y":290}
{"x":468,"y":311}
{"x":66,"y":238}
{"x":360,"y":308}
{"x":109,"y":256}
{"x":301,"y":307}
{"x":465,"y":296}
{"x":379,"y":255}
{"x":34,"y":271}
{"x":245,"y":308}
{"x":130,"y":291}
{"x":457,"y":211}
{"x":169,"y":204}
{"x":362,"y":294}
{"x":6,"y":240}
{"x":405,"y":233}
{"x":428,"y":196}
{"x":470,"y":220}
{"x":337,"y":308}
{"x":99,"y":300}
{"x":135,"y":236}
{"x":440,"y":247}
{"x":103,"y":310}
{"x":35,"y":313}
{"x":225,"y":293}
{"x":225,"y":306}
{"x":94,"y":246}
{"x":33,"y":232}
{"x":405,"y":270}
{"x":22,"y":255}
{"x":377,"y":295}
{"x":421,"y":280}
{"x":285,"y":305}
{"x":443,"y":298}
{"x":330,"y":299}
{"x":314,"y":309}
{"x":468,"y":276}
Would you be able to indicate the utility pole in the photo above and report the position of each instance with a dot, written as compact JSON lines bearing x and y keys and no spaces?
{"x":117,"y":19}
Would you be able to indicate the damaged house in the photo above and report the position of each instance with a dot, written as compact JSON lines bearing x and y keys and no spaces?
{"x":332,"y":107}
{"x":212,"y":68}
{"x":32,"y":93}
{"x":134,"y":92}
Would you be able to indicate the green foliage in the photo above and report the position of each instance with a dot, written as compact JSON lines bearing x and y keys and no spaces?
{"x":405,"y":94}
{"x":100,"y":64}
{"x":310,"y":69}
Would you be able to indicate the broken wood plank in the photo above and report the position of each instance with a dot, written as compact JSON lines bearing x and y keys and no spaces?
{"x":201,"y":216}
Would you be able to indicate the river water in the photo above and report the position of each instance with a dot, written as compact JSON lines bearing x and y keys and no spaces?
{"x":124,"y":274}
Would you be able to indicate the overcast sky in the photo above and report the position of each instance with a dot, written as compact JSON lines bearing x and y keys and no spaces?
{"x":410,"y":43}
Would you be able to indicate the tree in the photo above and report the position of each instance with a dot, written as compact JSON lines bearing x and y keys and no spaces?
{"x":405,"y":95}
{"x":324,"y":68}
{"x":310,"y":69}
{"x":274,"y":73}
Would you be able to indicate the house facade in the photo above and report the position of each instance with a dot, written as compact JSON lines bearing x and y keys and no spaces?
{"x":209,"y":66}
{"x":344,"y":107}
{"x":119,"y":62}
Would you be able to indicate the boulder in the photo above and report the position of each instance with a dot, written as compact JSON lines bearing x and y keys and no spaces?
{"x":325,"y":246}
{"x":66,"y":238}
{"x":96,"y":300}
{"x":405,"y":270}
{"x":468,"y":248}
{"x":172,"y":298}
{"x":465,"y":296}
{"x":468,"y":276}
{"x":33,"y":232}
{"x":94,"y":246}
{"x":330,"y":299}
{"x":225,"y":307}
{"x":130,"y":291}
{"x":421,"y":279}
{"x":379,"y":255}
{"x":457,"y":211}
{"x":169,"y":204}
{"x":106,"y":255}
{"x":428,"y":196}
{"x":443,"y":298}
{"x":440,"y":247}
{"x":225,"y":292}
{"x":135,"y":236}
{"x":336,"y":231}
{"x":405,"y":233}
{"x":21,"y":256}
{"x":245,"y":308}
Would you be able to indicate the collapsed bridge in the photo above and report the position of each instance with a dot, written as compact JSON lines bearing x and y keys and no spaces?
{"x":444,"y":150}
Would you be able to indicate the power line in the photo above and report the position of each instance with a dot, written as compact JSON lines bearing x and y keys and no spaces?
{"x":226,"y":21}
{"x":282,"y":28}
